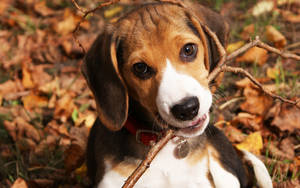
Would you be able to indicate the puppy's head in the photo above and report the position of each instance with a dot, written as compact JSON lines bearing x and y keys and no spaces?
{"x":159,"y":55}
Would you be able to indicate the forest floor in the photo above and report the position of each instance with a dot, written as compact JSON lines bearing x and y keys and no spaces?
{"x":47,"y":110}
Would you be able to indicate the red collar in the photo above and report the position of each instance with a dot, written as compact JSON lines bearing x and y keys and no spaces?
{"x":141,"y":133}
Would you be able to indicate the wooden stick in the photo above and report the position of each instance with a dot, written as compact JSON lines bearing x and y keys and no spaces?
{"x":237,"y":70}
{"x":145,"y":164}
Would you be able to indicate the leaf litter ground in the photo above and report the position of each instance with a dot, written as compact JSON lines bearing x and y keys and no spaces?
{"x":46,"y":109}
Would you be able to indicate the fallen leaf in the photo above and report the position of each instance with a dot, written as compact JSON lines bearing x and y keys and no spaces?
{"x":32,"y":101}
{"x":42,"y":9}
{"x":288,"y":118}
{"x":294,"y":183}
{"x":112,"y":11}
{"x":273,"y":73}
{"x":19,"y":183}
{"x":29,"y":130}
{"x":273,"y":35}
{"x":233,"y":134}
{"x":254,"y":55}
{"x":262,"y":7}
{"x":287,"y":146}
{"x":290,"y":16}
{"x":8,"y":87}
{"x":69,"y":22}
{"x":253,"y":143}
{"x":26,"y":76}
{"x":74,"y":157}
{"x":88,"y":119}
{"x":248,"y":32}
{"x":256,"y":101}
{"x":67,"y":25}
{"x":276,"y":152}
{"x":47,"y":144}
{"x":64,"y":107}
{"x":251,"y":121}
{"x":234,"y":46}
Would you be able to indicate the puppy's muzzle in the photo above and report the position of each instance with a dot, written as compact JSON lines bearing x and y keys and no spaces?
{"x":187,"y":109}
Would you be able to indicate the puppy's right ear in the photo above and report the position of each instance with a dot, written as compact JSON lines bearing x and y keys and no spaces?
{"x":100,"y":68}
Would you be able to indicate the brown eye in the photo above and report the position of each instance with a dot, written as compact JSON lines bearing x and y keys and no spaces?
{"x":188,"y":52}
{"x":142,"y":70}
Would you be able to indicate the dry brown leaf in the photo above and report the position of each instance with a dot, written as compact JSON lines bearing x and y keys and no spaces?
{"x":26,"y":76}
{"x":253,"y":122}
{"x":32,"y":101}
{"x":254,"y":55}
{"x":29,"y":130}
{"x":287,"y":119}
{"x":276,"y":153}
{"x":248,"y":31}
{"x":287,"y":146}
{"x":67,"y":25}
{"x":11,"y":129}
{"x":290,"y":16}
{"x":64,"y":107}
{"x":74,"y":157}
{"x":49,"y":144}
{"x":42,"y":9}
{"x":19,"y":183}
{"x":3,"y":6}
{"x":256,"y":101}
{"x":253,"y":143}
{"x":26,"y":144}
{"x":69,"y":22}
{"x":8,"y":87}
{"x":294,"y":183}
{"x":233,"y":134}
{"x":273,"y":35}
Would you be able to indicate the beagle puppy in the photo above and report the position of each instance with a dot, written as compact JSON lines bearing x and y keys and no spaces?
{"x":148,"y":73}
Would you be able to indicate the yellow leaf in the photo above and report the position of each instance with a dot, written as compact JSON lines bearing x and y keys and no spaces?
{"x":81,"y":171}
{"x":273,"y":72}
{"x":273,"y":35}
{"x":253,"y":143}
{"x":113,"y":11}
{"x":234,"y":46}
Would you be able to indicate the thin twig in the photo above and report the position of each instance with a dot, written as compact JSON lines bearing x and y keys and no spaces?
{"x":243,"y":49}
{"x":85,"y":14}
{"x":145,"y":164}
{"x":236,"y":70}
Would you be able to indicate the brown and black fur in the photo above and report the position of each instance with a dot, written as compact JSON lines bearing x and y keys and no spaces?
{"x":116,"y":97}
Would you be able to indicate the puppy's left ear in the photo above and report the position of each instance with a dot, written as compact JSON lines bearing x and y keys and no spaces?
{"x":101,"y":71}
{"x":216,"y":23}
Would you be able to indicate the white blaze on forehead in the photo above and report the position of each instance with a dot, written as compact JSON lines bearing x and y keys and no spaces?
{"x":176,"y":86}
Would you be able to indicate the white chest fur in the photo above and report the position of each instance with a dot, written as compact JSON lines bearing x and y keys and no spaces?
{"x":166,"y":171}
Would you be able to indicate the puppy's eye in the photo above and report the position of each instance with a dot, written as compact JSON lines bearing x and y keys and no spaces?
{"x":142,"y":70}
{"x":188,"y":52}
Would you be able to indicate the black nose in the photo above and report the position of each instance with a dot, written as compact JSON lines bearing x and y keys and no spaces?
{"x":187,"y":109}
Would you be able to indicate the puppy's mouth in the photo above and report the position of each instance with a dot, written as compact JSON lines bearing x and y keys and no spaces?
{"x":195,"y":127}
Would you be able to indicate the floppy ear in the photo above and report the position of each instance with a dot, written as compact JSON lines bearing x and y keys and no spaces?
{"x":100,"y":69}
{"x":217,"y":24}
